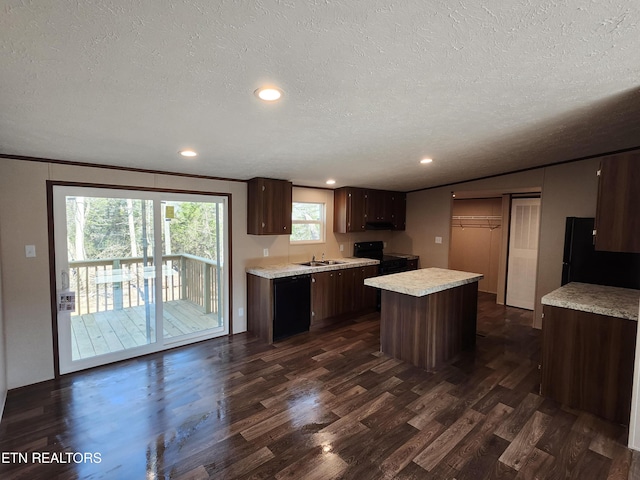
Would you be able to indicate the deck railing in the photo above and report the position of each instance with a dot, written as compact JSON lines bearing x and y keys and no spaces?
{"x":117,"y":283}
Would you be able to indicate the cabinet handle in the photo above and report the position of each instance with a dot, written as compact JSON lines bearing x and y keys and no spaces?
{"x":262,"y":224}
{"x":284,"y":228}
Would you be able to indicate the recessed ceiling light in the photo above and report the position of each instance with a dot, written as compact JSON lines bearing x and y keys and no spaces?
{"x":426,"y":160}
{"x":331,"y":182}
{"x":268,"y":94}
{"x":188,"y":153}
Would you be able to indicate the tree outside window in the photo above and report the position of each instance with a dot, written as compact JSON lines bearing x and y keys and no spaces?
{"x":308,"y":222}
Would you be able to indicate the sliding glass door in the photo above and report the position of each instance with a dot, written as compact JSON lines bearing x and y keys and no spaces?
{"x":136,"y":272}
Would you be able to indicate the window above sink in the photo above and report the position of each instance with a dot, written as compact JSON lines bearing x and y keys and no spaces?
{"x":308,"y":223}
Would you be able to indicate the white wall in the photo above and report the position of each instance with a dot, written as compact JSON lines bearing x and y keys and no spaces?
{"x":23,"y":221}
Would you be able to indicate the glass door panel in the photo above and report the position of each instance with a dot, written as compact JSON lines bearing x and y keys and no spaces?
{"x":113,"y":296}
{"x":192,"y":244}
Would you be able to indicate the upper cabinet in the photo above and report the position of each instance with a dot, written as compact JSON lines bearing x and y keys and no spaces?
{"x":349,"y":209}
{"x":618,"y":212}
{"x":359,"y":209}
{"x":379,"y":206}
{"x":399,"y":216}
{"x":269,"y":207}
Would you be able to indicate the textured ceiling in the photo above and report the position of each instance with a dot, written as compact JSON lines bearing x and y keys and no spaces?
{"x":370,"y":86}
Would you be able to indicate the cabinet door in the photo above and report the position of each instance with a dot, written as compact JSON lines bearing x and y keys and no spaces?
{"x":276,"y":207}
{"x":356,"y":210}
{"x":349,"y":210}
{"x":345,"y":290}
{"x":358,"y":288}
{"x":618,"y":211}
{"x":322,"y":291}
{"x":269,"y":207}
{"x":370,"y":299}
{"x":399,"y":215}
{"x":379,"y":205}
{"x":364,"y":297}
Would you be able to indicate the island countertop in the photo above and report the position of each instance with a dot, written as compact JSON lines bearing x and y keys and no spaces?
{"x":600,"y":299}
{"x":424,"y":281}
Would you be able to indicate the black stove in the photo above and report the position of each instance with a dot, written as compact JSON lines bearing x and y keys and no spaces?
{"x":388,"y":263}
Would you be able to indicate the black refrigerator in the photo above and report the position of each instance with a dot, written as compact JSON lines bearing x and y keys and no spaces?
{"x":582,"y":263}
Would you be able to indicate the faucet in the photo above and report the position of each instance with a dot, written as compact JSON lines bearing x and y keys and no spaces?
{"x":313,"y":258}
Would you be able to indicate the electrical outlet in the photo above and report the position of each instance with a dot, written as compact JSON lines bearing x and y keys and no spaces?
{"x":384,"y":244}
{"x":265,"y":252}
{"x":30,"y":251}
{"x":438,"y":239}
{"x":341,"y":247}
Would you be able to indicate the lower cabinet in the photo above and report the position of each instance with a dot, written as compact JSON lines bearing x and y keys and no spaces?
{"x":340,"y":292}
{"x":587,"y":361}
{"x":334,"y":294}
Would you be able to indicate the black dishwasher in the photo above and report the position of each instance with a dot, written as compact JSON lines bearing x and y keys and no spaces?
{"x":291,"y":306}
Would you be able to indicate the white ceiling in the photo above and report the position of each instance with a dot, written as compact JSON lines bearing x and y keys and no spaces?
{"x":370,"y":86}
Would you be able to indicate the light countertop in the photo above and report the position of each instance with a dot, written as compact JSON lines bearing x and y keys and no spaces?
{"x":600,"y":299}
{"x":424,"y":281}
{"x":290,"y":269}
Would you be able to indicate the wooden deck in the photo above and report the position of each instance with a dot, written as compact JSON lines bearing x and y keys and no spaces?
{"x":104,"y":332}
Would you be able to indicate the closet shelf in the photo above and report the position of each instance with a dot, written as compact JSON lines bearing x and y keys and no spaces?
{"x":476,"y":221}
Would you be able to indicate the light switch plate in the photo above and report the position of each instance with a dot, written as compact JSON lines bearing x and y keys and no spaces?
{"x":30,"y":251}
{"x":265,"y":252}
{"x":341,"y":247}
{"x":438,"y":239}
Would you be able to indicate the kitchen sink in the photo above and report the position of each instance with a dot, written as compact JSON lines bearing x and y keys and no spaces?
{"x":320,"y":263}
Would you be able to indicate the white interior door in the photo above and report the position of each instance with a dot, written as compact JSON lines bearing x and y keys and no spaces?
{"x":137,"y":272}
{"x":523,"y":252}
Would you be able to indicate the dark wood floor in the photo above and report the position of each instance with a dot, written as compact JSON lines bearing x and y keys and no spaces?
{"x":321,"y":405}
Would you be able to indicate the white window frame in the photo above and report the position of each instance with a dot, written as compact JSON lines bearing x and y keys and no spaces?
{"x":322,"y":223}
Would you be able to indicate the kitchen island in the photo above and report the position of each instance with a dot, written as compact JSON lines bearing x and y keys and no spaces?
{"x":588,"y":348}
{"x":427,"y":316}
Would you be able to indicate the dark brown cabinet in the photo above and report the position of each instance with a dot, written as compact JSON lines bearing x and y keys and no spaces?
{"x":322,"y":293}
{"x":349,"y":214}
{"x":587,"y":361}
{"x":334,"y":294}
{"x":399,"y":215}
{"x":354,"y":207}
{"x":269,"y":206}
{"x":412,"y":264}
{"x":364,"y":297}
{"x":379,"y":205}
{"x":340,"y":292}
{"x":618,"y":211}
